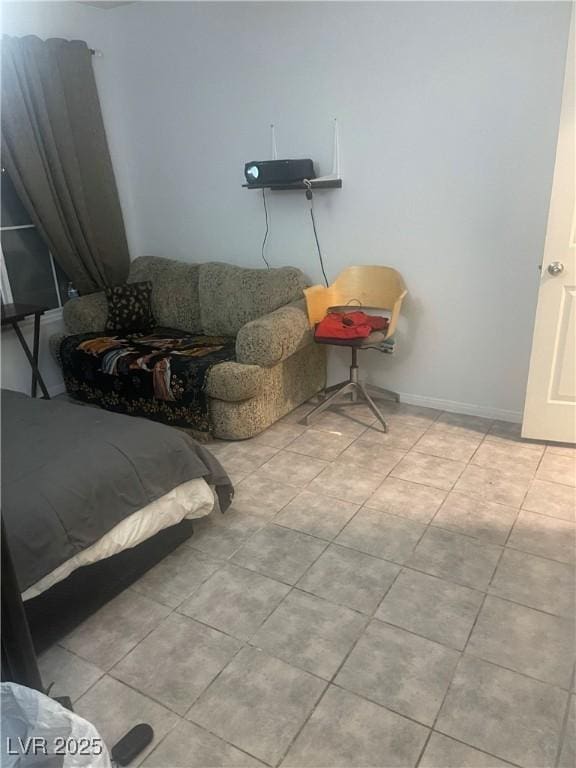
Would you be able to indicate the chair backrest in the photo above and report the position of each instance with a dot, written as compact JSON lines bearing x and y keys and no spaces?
{"x":369,"y":287}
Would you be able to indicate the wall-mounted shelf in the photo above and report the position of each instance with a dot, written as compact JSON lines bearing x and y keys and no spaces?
{"x":314,"y":183}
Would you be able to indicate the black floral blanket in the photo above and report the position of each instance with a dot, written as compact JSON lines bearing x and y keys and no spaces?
{"x":160,"y":375}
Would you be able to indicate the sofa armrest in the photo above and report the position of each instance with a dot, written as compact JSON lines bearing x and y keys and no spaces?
{"x":86,"y":314}
{"x":235,"y":381}
{"x":275,"y":336}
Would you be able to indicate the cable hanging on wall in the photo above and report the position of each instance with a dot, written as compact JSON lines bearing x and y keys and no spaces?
{"x":292,"y":174}
{"x":267,"y":229}
{"x":310,"y":198}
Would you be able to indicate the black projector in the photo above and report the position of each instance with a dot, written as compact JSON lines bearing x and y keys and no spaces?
{"x":264,"y":172}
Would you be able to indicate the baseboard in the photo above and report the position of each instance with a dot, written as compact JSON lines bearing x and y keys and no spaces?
{"x":405,"y":397}
{"x":467,"y":408}
{"x":54,"y":390}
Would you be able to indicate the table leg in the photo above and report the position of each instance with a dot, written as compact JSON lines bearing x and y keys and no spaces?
{"x":35,"y":353}
{"x":31,"y":360}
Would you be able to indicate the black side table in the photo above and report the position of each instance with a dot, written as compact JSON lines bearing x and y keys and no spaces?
{"x":12,"y":314}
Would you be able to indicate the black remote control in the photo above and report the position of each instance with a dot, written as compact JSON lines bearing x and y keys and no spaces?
{"x":130,"y":745}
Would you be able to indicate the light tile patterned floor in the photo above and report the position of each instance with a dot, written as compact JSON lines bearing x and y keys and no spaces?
{"x":370,"y":600}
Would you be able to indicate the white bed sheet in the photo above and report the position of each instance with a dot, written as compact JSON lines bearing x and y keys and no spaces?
{"x":191,"y":500}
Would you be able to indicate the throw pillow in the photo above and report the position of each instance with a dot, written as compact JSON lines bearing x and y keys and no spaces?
{"x":130,"y":308}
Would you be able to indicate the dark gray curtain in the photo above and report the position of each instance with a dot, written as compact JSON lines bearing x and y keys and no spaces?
{"x":55,"y":150}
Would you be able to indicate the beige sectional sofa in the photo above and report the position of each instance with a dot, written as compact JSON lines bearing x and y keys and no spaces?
{"x":277,"y":364}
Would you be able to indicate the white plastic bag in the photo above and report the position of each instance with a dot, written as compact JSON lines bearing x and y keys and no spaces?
{"x":37,"y":732}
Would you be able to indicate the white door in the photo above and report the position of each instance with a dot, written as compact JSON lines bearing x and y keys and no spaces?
{"x":550,"y":408}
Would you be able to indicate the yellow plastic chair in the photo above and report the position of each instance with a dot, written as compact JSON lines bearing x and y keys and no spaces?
{"x":370,"y":289}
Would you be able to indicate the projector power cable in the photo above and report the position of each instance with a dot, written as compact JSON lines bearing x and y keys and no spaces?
{"x":267,"y":228}
{"x":310,"y":198}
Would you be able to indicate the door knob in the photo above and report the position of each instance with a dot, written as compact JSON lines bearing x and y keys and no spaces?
{"x":555,"y":268}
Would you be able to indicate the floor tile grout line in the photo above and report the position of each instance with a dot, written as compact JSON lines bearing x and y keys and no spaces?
{"x":429,"y":523}
{"x":304,"y":724}
{"x":297,"y":584}
{"x":138,"y":641}
{"x":149,"y":754}
{"x":333,"y":602}
{"x":478,"y":749}
{"x":249,"y":642}
{"x":196,"y":700}
{"x":297,"y":587}
{"x":525,"y":605}
{"x":441,"y":707}
{"x":361,"y":614}
{"x":478,"y":539}
{"x":247,"y":645}
{"x":410,"y":569}
{"x":513,"y":548}
{"x":420,"y":570}
{"x":250,"y":535}
{"x":469,"y":655}
{"x":388,"y":474}
{"x":308,"y":533}
{"x":385,"y":595}
{"x":208,"y":729}
{"x":457,"y":665}
{"x":145,"y":696}
{"x":506,"y":542}
{"x":144,"y":637}
{"x":387,"y":707}
{"x":104,"y":672}
{"x":564,"y":727}
{"x":325,"y":542}
{"x":430,"y":453}
{"x":461,"y":533}
{"x":333,"y":541}
{"x":331,"y":682}
{"x":174,"y":609}
{"x":291,"y":586}
{"x":481,"y":541}
{"x":529,"y":607}
{"x":465,"y":651}
{"x":481,"y":608}
{"x":242,"y":640}
{"x":393,"y":562}
{"x":372,"y":617}
{"x":549,"y":517}
{"x":148,"y":696}
{"x":390,"y":624}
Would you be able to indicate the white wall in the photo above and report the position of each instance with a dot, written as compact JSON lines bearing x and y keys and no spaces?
{"x":448,"y":114}
{"x":448,"y":117}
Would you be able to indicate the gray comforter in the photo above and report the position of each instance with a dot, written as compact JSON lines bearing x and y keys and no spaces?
{"x":70,"y":473}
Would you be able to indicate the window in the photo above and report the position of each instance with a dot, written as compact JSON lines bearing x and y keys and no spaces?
{"x":29,"y":273}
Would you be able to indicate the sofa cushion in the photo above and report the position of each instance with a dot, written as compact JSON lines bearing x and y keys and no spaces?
{"x":129,"y":308}
{"x":232,"y":296}
{"x":175,"y":301}
{"x":160,"y":376}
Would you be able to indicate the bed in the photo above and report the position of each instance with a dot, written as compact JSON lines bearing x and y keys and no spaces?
{"x":92,"y":499}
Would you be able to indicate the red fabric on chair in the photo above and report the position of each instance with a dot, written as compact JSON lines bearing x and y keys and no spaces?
{"x":349,"y":325}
